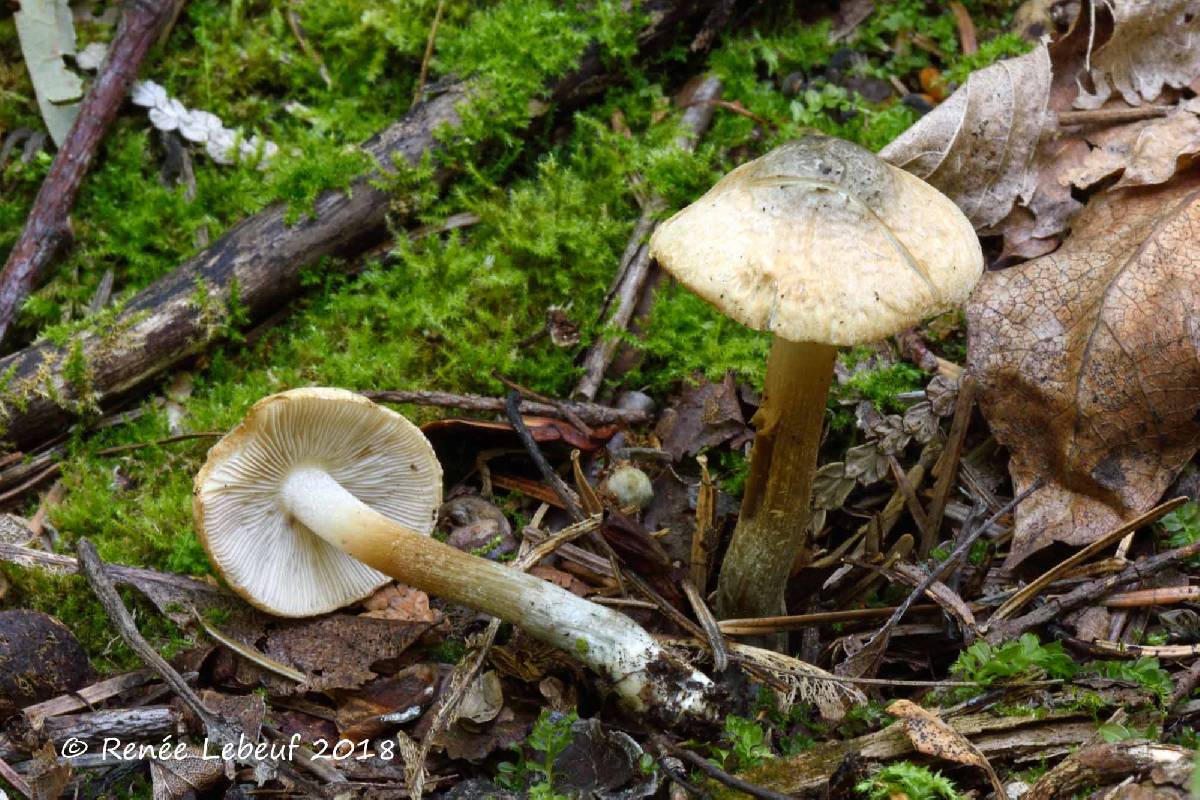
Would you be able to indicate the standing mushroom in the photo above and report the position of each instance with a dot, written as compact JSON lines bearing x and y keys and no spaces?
{"x":822,"y":244}
{"x":320,"y":496}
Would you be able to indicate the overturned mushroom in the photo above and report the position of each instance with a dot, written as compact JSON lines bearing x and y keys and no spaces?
{"x":822,"y":244}
{"x":320,"y":496}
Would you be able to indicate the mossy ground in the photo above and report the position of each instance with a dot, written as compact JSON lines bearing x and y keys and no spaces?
{"x":556,"y":205}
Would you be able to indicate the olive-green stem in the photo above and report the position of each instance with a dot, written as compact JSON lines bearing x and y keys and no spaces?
{"x":771,"y":529}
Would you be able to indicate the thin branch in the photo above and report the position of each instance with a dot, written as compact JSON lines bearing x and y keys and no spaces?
{"x":873,"y":650}
{"x":716,"y":773}
{"x":1082,"y":595}
{"x":14,"y":779}
{"x":1110,"y":116}
{"x":428,"y":57}
{"x":947,"y":467}
{"x":635,"y":265}
{"x":218,"y":729}
{"x":590,"y":413}
{"x":48,"y":227}
{"x":293,"y":19}
{"x":512,"y":408}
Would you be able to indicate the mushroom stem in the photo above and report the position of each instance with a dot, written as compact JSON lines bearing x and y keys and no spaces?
{"x":772,"y":525}
{"x":612,"y":644}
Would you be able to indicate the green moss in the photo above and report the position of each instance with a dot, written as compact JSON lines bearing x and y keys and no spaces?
{"x":556,"y":204}
{"x":881,"y":385}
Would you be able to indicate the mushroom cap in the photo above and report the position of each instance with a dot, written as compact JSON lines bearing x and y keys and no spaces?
{"x":821,"y":241}
{"x":269,"y":557}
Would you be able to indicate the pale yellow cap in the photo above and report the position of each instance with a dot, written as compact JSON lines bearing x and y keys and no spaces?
{"x":821,"y":241}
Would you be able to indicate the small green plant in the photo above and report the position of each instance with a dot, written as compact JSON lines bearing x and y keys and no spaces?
{"x":1144,"y":671}
{"x":747,"y":744}
{"x":1027,"y":658}
{"x":906,"y":779}
{"x":535,"y":774}
{"x":1116,"y":732}
{"x":1183,"y":527}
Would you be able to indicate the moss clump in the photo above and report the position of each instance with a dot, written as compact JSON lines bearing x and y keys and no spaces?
{"x":554,"y":198}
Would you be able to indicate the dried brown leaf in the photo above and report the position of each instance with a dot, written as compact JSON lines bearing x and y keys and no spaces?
{"x":1143,"y":153}
{"x":185,"y":774}
{"x":359,"y":713}
{"x":337,"y":651}
{"x":705,"y":415}
{"x":978,"y":146}
{"x":1154,"y":44}
{"x":933,"y":737}
{"x":401,"y":603}
{"x":1088,"y":367}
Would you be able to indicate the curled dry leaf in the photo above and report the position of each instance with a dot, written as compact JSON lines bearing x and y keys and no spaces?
{"x":933,"y":737}
{"x":1143,"y":153}
{"x":186,"y":774}
{"x":1155,"y":43}
{"x":831,"y":486}
{"x":1087,"y":364}
{"x":978,"y":146}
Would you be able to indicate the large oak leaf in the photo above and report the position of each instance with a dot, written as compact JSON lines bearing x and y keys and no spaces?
{"x":1088,"y":367}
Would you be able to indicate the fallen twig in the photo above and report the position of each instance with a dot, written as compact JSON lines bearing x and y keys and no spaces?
{"x":866,"y":661}
{"x":1031,"y":590}
{"x":753,"y":626}
{"x":946,"y":469}
{"x":1058,"y":606}
{"x":221,"y":731}
{"x":48,"y":226}
{"x":14,"y":779}
{"x":1110,"y":116}
{"x":425,"y":59}
{"x":512,"y":408}
{"x":293,"y":19}
{"x":716,"y":773}
{"x":635,"y":263}
{"x":85,"y":697}
{"x":591,"y":413}
{"x":1165,"y":595}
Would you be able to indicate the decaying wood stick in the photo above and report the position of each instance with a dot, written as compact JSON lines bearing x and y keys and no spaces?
{"x":1082,"y":595}
{"x":88,"y":695}
{"x":263,"y":257}
{"x":151,"y":724}
{"x":29,"y":557}
{"x":1109,"y":762}
{"x":48,"y":226}
{"x":635,"y":266}
{"x":591,"y":413}
{"x":218,"y":729}
{"x":718,"y":774}
{"x":996,"y":737}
